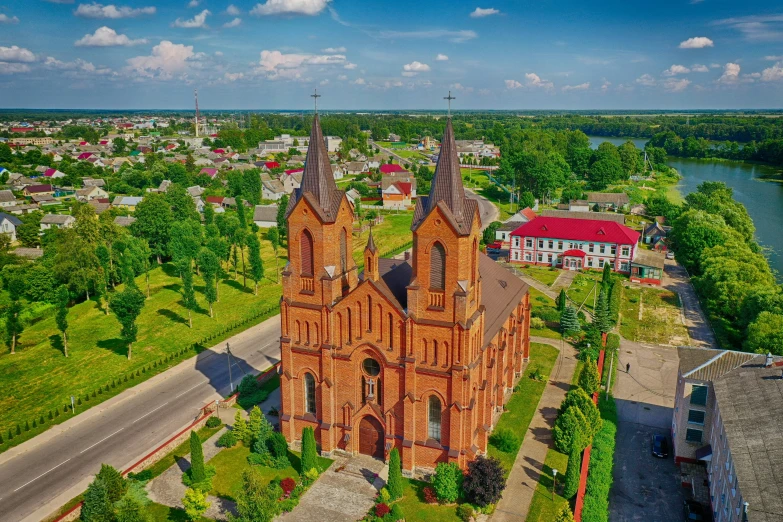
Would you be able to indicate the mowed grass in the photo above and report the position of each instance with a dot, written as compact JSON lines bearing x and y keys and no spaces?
{"x":584,"y":289}
{"x":414,"y":507}
{"x":392,"y":234}
{"x":524,"y":402}
{"x":539,"y":301}
{"x":542,"y":274}
{"x":661,"y":321}
{"x":543,"y":508}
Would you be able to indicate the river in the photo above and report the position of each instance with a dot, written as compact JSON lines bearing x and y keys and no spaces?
{"x":763,"y":199}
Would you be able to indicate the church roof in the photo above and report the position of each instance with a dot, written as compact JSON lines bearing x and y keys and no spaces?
{"x":318,"y":184}
{"x":446,"y":190}
{"x":371,"y":243}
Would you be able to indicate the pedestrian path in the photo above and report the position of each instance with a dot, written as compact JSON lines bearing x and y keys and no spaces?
{"x":529,"y":464}
{"x":564,"y":280}
{"x":547,"y":291}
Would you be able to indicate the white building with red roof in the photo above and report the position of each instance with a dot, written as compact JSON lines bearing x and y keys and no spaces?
{"x":574,"y":244}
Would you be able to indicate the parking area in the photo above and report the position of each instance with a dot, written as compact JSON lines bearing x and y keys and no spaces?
{"x":645,"y":488}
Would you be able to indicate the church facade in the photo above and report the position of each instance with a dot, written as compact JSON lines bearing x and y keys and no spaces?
{"x":418,"y":354}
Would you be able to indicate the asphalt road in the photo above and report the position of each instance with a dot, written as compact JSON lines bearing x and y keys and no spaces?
{"x":42,"y":474}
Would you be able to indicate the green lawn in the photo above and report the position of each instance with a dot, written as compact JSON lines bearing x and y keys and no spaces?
{"x":540,"y":301}
{"x":181,"y":451}
{"x":542,"y":274}
{"x":392,"y":234}
{"x":543,"y":508}
{"x":524,"y":402}
{"x":413,"y":155}
{"x":583,"y":289}
{"x":415,"y":508}
{"x":661,"y":317}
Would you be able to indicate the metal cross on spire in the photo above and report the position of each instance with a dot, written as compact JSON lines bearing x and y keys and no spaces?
{"x":449,"y":98}
{"x":315,"y":96}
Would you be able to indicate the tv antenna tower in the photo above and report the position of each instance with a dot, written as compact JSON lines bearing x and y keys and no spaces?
{"x":195,"y":92}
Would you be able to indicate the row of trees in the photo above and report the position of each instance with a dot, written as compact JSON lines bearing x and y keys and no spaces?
{"x":769,"y":150}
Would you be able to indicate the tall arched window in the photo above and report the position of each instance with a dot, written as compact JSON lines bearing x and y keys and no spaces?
{"x":474,"y":260}
{"x":309,"y":389}
{"x":350,"y":326}
{"x":369,"y":313}
{"x":434,"y":353}
{"x":433,"y":418}
{"x":343,"y":250}
{"x":391,"y":330}
{"x":306,"y":252}
{"x":438,"y":267}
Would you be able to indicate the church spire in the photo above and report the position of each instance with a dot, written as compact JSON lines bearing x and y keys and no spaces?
{"x":447,"y":181}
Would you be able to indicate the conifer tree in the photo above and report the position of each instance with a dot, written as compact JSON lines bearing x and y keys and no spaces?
{"x":589,"y":380}
{"x":569,"y":322}
{"x":601,"y":314}
{"x":562,"y":300}
{"x":394,"y":484}
{"x":197,"y":471}
{"x":309,"y":452}
{"x":573,"y":470}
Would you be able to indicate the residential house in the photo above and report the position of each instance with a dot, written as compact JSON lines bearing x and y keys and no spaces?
{"x":90,"y":182}
{"x":402,"y":176}
{"x":337,"y":171}
{"x":647,"y":267}
{"x":728,"y":417}
{"x":199,"y":204}
{"x":89,"y":193}
{"x":523,"y":216}
{"x":124,"y":221}
{"x":126,"y":202}
{"x":19,"y":182}
{"x":7,"y":198}
{"x":268,"y":165}
{"x":654,"y":232}
{"x":397,"y":195}
{"x":388,"y":168}
{"x":333,"y":143}
{"x":57,"y":221}
{"x":265,"y":216}
{"x":600,"y":216}
{"x":100,"y":205}
{"x":608,"y":200}
{"x":195,"y":191}
{"x":574,"y":244}
{"x":54,"y":173}
{"x":43,"y":199}
{"x":291,"y":179}
{"x":211,"y":172}
{"x":353,"y":196}
{"x":578,"y":205}
{"x":29,"y":253}
{"x":21,"y":209}
{"x":355,"y":167}
{"x":272,"y":189}
{"x":8,"y":224}
{"x":38,"y":190}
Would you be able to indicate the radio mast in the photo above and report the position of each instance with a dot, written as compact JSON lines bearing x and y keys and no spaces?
{"x":195,"y":91}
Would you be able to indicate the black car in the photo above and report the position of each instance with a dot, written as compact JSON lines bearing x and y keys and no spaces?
{"x":660,"y":446}
{"x":693,"y":511}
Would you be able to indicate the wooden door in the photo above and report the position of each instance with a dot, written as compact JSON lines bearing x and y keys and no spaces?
{"x":371,"y":437}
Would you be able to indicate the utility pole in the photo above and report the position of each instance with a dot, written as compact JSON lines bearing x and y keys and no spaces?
{"x":554,"y":483}
{"x":230,"y":379}
{"x":195,"y":92}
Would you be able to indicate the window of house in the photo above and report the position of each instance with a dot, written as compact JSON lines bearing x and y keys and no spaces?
{"x":602,"y":249}
{"x":601,"y":263}
{"x":434,"y":418}
{"x":699,"y":395}
{"x":540,"y":243}
{"x":692,"y":435}
{"x":371,"y":367}
{"x":309,"y":384}
{"x":438,"y":267}
{"x":589,"y":261}
{"x":306,"y":251}
{"x":696,"y":417}
{"x":591,"y":248}
{"x":528,"y":243}
{"x":613,"y":250}
{"x":528,"y":257}
{"x":624,"y":266}
{"x":550,"y":244}
{"x":540,"y":258}
{"x":560,"y":245}
{"x":626,"y":251}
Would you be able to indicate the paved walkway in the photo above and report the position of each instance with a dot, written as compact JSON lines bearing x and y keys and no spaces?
{"x":564,"y":280}
{"x":529,"y":464}
{"x":677,"y":280}
{"x":343,"y":493}
{"x":547,"y":291}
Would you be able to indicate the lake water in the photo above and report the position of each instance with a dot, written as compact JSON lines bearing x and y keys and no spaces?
{"x":763,"y":199}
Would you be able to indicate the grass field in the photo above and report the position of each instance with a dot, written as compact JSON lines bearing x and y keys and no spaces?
{"x":393,"y":233}
{"x":583,"y":289}
{"x":660,"y":321}
{"x":542,"y":274}
{"x":544,"y":508}
{"x":540,"y":301}
{"x":414,"y":507}
{"x":524,"y":402}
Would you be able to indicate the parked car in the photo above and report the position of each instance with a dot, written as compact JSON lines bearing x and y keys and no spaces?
{"x":693,"y":511}
{"x":660,"y":446}
{"x":669,"y":255}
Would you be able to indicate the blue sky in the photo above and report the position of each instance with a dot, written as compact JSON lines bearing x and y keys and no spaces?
{"x":365,"y":54}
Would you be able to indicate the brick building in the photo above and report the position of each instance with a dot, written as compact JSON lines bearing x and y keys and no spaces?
{"x":417,"y":355}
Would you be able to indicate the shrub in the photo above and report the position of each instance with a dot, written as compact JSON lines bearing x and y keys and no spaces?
{"x":141,"y":476}
{"x":240,"y":428}
{"x":612,"y":342}
{"x":599,"y":478}
{"x":447,"y":481}
{"x":430,"y":497}
{"x":27,"y":425}
{"x":548,"y":314}
{"x":381,"y":509}
{"x":465,"y":512}
{"x":309,"y":452}
{"x":116,"y":485}
{"x":227,"y":440}
{"x":311,"y":475}
{"x":537,"y":323}
{"x":277,"y":445}
{"x":383,"y":496}
{"x":197,"y":472}
{"x":568,"y":425}
{"x":564,"y":515}
{"x":484,"y":482}
{"x":396,"y":513}
{"x":287,"y":484}
{"x":214,"y":422}
{"x":536,"y":374}
{"x":573,"y":470}
{"x":35,"y":423}
{"x":589,"y":380}
{"x":96,"y":506}
{"x":195,"y":503}
{"x":395,"y":475}
{"x":505,"y":440}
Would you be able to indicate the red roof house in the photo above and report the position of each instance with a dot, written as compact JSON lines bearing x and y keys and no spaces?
{"x":85,"y":155}
{"x":272,"y":165}
{"x":528,"y":213}
{"x":209,"y":172}
{"x":388,"y":168}
{"x":293,"y":171}
{"x":22,"y":129}
{"x":219,"y":151}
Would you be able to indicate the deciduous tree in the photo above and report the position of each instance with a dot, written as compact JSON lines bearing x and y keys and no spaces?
{"x":61,"y":315}
{"x":127,"y":305}
{"x":256,"y":264}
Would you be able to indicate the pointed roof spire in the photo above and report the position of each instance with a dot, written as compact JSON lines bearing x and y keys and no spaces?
{"x":447,"y":181}
{"x":371,"y":243}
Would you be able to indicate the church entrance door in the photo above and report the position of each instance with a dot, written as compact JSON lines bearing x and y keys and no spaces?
{"x":371,"y":437}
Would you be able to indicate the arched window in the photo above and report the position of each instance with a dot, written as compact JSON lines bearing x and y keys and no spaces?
{"x":433,"y":418}
{"x":343,"y":250}
{"x":307,"y":332}
{"x":474,"y":260}
{"x":434,"y":353}
{"x":298,"y":332}
{"x":438,"y":267}
{"x":309,"y":389}
{"x":424,"y":343}
{"x":306,"y":252}
{"x":369,"y":313}
{"x":350,"y":326}
{"x":391,"y":330}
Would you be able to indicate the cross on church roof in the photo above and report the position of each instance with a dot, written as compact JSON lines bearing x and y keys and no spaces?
{"x":315,"y":95}
{"x":449,"y":98}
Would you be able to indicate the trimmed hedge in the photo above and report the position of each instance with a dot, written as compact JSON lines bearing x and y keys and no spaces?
{"x":599,"y":478}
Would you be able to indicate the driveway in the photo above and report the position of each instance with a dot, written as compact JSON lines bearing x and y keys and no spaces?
{"x":645,"y":488}
{"x":676,"y":279}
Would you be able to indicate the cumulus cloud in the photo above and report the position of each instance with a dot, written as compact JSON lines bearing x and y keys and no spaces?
{"x":197,"y":22}
{"x":697,"y":42}
{"x":415,"y":67}
{"x":481,"y":13}
{"x":290,"y":7}
{"x":730,"y":73}
{"x":408,"y":73}
{"x":233,"y":10}
{"x":350,"y":66}
{"x":359,"y":81}
{"x":580,"y":87}
{"x":699,"y":68}
{"x":675,"y":70}
{"x":5,"y":19}
{"x":96,"y":10}
{"x":194,"y":3}
{"x":332,"y":50}
{"x":16,"y":54}
{"x":513,"y":84}
{"x":773,"y":74}
{"x":277,"y":65}
{"x":646,"y":80}
{"x":460,"y":87}
{"x":452,"y":36}
{"x":233,"y":23}
{"x":533,"y":80}
{"x":106,"y":37}
{"x":342,"y":77}
{"x":232,"y":77}
{"x":13,"y":68}
{"x":166,"y":59}
{"x":441,"y":58}
{"x":77,"y":68}
{"x":676,"y":85}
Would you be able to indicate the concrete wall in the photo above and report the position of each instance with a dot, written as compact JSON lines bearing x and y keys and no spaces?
{"x":685,"y":450}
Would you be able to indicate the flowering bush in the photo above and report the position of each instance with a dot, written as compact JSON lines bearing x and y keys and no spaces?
{"x":430,"y":497}
{"x":288,"y":484}
{"x":381,"y":509}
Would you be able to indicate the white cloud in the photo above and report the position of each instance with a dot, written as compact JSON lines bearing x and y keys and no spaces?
{"x":756,"y":27}
{"x":481,"y":13}
{"x":324,"y":82}
{"x":441,"y":58}
{"x":675,"y":70}
{"x":460,"y":87}
{"x":696,"y":67}
{"x":773,"y":74}
{"x":194,"y":3}
{"x":233,"y":23}
{"x":513,"y":84}
{"x":61,"y":1}
{"x":233,"y":10}
{"x":388,"y":84}
{"x":730,"y":73}
{"x":13,"y":68}
{"x":697,"y":42}
{"x":96,"y":10}
{"x":197,"y":22}
{"x":166,"y":59}
{"x":533,"y":80}
{"x":290,"y":7}
{"x":772,"y":58}
{"x":646,"y":80}
{"x":452,"y":36}
{"x":232,"y":77}
{"x":408,"y":73}
{"x":605,"y":86}
{"x":416,"y":67}
{"x":580,"y":87}
{"x":350,"y":66}
{"x":332,"y":50}
{"x":77,"y":66}
{"x":106,"y":37}
{"x":16,"y":54}
{"x":359,"y":81}
{"x":5,"y":19}
{"x":277,"y":65}
{"x":342,"y":77}
{"x":676,"y":85}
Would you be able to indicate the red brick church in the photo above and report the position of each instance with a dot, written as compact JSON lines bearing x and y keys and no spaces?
{"x":419,"y":355}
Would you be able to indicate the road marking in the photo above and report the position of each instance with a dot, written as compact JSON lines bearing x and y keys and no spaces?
{"x":194,"y":386}
{"x":41,"y":475}
{"x":103,"y":439}
{"x":150,"y":412}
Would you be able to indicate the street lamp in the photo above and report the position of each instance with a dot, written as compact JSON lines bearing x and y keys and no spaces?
{"x":554,"y":483}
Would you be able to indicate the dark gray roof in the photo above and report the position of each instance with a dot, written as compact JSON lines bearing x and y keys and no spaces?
{"x":721,"y":362}
{"x":6,"y":196}
{"x":395,"y":274}
{"x":501,"y":292}
{"x":692,"y":357}
{"x":573,"y":214}
{"x":265,"y":213}
{"x":616,"y":198}
{"x":15,"y":221}
{"x":648,"y":258}
{"x":124,"y":221}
